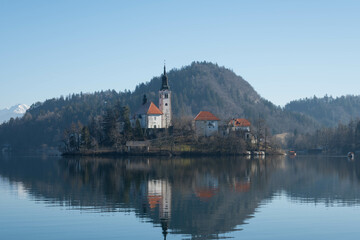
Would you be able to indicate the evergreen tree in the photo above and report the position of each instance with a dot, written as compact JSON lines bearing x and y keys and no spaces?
{"x":357,"y":136}
{"x":110,"y":127}
{"x":125,"y":120}
{"x":85,"y":137}
{"x":138,"y":131}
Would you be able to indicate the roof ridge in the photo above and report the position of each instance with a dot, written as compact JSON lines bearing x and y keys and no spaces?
{"x":206,"y":116}
{"x":154,"y":110}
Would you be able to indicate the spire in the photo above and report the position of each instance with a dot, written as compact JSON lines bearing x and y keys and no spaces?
{"x":164,"y":227}
{"x":164,"y":84}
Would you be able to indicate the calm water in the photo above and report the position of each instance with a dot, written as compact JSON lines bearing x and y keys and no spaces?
{"x":203,"y":198}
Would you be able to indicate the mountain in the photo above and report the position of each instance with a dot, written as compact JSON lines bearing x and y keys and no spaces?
{"x":13,"y":112}
{"x":199,"y":86}
{"x":328,"y":111}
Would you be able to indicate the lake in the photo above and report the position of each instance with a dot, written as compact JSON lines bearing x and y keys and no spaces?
{"x":306,"y":197}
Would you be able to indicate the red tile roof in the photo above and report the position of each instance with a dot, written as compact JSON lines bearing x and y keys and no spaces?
{"x":242,"y":187}
{"x":240,"y":122}
{"x":154,"y":200}
{"x":206,"y":116}
{"x":153,"y":110}
{"x":205,"y":194}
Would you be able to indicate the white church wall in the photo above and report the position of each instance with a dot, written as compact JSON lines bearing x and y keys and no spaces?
{"x":154,"y":121}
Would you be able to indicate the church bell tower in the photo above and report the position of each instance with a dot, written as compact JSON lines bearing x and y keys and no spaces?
{"x":165,"y":101}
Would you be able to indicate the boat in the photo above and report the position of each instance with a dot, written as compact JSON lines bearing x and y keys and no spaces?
{"x":351,"y":155}
{"x":292,"y":153}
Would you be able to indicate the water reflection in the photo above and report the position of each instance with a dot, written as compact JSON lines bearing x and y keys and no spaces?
{"x":201,"y":198}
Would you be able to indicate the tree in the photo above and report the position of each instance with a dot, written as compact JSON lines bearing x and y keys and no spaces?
{"x":139,"y":135}
{"x":85,"y":137}
{"x":125,"y":121}
{"x":109,"y":124}
{"x":357,"y":136}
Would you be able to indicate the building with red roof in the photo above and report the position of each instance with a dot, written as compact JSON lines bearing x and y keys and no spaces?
{"x":149,"y":115}
{"x":206,"y":123}
{"x":240,"y":124}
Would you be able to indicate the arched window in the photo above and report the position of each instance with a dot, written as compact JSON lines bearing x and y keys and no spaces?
{"x":166,"y":95}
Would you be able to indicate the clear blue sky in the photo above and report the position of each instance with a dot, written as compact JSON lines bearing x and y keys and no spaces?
{"x":285,"y":49}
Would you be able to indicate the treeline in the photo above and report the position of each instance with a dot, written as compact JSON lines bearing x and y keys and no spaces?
{"x":44,"y":123}
{"x":328,"y":111}
{"x":111,"y":131}
{"x":339,"y":140}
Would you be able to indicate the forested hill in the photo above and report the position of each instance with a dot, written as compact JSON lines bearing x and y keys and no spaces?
{"x":328,"y":111}
{"x":200,"y":86}
{"x":206,"y":86}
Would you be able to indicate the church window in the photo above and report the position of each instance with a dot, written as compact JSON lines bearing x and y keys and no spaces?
{"x":154,"y":126}
{"x":165,"y":104}
{"x":166,"y":95}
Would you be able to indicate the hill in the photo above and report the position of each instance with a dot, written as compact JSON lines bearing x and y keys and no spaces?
{"x":328,"y":111}
{"x":200,"y":86}
{"x":206,"y":86}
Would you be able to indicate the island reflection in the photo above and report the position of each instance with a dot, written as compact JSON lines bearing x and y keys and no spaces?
{"x":201,"y":197}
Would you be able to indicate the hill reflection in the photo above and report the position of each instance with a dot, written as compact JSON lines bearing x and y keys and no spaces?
{"x":200,"y":197}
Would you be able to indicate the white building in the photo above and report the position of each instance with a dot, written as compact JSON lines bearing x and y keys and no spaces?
{"x":149,"y":115}
{"x":159,"y":194}
{"x":206,"y":123}
{"x":165,"y":101}
{"x":240,"y":124}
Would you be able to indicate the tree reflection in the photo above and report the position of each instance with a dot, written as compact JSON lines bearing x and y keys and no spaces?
{"x":201,"y":197}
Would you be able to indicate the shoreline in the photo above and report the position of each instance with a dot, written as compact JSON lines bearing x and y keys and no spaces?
{"x":111,"y":153}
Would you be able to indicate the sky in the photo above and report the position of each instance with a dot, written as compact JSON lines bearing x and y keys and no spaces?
{"x":285,"y":49}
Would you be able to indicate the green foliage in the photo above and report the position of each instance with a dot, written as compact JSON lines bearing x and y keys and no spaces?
{"x":328,"y":111}
{"x":340,"y":139}
{"x":357,"y":136}
{"x":110,"y":127}
{"x":125,"y":118}
{"x":85,"y":137}
{"x":139,"y":135}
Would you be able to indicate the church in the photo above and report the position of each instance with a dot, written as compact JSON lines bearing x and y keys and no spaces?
{"x":149,"y":115}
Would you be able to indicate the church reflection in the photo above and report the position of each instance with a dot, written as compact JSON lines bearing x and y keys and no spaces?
{"x":201,"y":198}
{"x":159,"y":194}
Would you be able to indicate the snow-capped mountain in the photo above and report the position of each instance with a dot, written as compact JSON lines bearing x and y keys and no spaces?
{"x":15,"y":111}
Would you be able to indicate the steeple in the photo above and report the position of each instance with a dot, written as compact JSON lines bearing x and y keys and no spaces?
{"x":165,"y":101}
{"x":164,"y":227}
{"x":164,"y":84}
